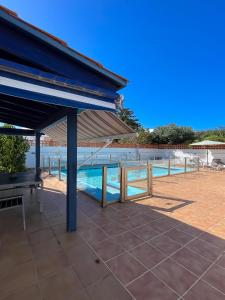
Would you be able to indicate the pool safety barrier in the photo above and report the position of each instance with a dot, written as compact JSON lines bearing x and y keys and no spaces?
{"x":121,"y":181}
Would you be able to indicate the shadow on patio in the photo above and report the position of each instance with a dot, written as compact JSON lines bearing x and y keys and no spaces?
{"x":149,"y":249}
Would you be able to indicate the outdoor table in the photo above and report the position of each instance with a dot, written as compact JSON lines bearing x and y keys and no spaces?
{"x":22,"y":180}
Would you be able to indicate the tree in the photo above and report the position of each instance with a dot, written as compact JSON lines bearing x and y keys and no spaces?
{"x":13,"y":152}
{"x":172,"y":134}
{"x":212,"y":135}
{"x":128,"y":116}
{"x":144,"y":136}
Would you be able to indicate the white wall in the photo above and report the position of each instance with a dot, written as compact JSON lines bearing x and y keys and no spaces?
{"x":124,"y":154}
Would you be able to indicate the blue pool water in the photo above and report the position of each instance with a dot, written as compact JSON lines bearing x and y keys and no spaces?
{"x":89,"y":179}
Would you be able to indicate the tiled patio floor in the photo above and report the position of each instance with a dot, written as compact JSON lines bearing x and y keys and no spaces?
{"x":167,"y":247}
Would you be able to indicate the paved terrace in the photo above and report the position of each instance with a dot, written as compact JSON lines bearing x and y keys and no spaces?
{"x":168,"y":247}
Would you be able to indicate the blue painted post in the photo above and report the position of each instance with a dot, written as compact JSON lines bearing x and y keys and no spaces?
{"x":38,"y":152}
{"x":72,"y":170}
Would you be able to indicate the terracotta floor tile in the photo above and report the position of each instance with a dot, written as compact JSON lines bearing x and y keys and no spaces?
{"x":21,"y":277}
{"x":151,"y":215}
{"x":52,"y":264}
{"x":93,"y":235}
{"x":37,"y":225}
{"x":126,"y":267}
{"x":13,"y":256}
{"x":192,"y":261}
{"x":52,"y":214}
{"x":86,"y":264}
{"x":137,"y":221}
{"x":165,"y":244}
{"x":101,"y":220}
{"x":46,"y":248}
{"x":59,"y":229}
{"x":216,"y":277}
{"x":108,"y":288}
{"x":175,"y":276}
{"x":161,"y":225}
{"x":148,"y":255}
{"x":131,"y":211}
{"x":10,"y":240}
{"x":205,"y":249}
{"x":179,"y":236}
{"x":37,"y":237}
{"x":216,"y":241}
{"x":221,"y":261}
{"x":57,"y":220}
{"x":126,"y":223}
{"x":119,"y":218}
{"x":84,"y":225}
{"x":29,"y":293}
{"x":190,"y":229}
{"x":64,"y":285}
{"x":128,"y":240}
{"x":111,"y":213}
{"x":200,"y":215}
{"x":108,"y":249}
{"x":219,"y":232}
{"x":113,"y":229}
{"x":203,"y":291}
{"x":149,"y":287}
{"x":146,"y":232}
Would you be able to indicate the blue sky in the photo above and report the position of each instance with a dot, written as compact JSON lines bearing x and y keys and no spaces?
{"x":172,"y":51}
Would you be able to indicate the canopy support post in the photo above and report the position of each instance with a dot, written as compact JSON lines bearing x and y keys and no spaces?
{"x":38,"y":152}
{"x":72,"y":170}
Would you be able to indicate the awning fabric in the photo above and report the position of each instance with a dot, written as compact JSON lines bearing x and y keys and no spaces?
{"x":93,"y":125}
{"x":207,"y":143}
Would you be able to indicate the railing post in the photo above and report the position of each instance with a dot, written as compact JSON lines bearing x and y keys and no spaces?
{"x":122,"y":184}
{"x":49,"y":165}
{"x":185,"y":164}
{"x":104,"y":186}
{"x":149,"y":172}
{"x":198,"y":164}
{"x":59,"y":169}
{"x":169,"y":165}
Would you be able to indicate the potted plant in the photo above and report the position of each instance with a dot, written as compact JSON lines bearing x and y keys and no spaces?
{"x":13,"y":153}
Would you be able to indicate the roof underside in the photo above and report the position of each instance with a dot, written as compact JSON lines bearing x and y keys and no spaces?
{"x":21,"y":112}
{"x":93,"y":125}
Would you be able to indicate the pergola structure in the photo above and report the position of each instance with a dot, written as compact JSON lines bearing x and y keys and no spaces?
{"x":47,"y":87}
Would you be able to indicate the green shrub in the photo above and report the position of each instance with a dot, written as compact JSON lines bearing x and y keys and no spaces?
{"x":13,"y":153}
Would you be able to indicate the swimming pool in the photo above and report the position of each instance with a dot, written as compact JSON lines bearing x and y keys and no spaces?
{"x":89,"y":179}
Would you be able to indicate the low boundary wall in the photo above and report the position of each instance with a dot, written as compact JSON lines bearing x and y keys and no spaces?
{"x":120,"y":152}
